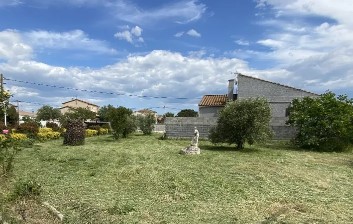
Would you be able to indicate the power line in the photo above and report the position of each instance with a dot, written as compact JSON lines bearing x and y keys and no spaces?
{"x":100,"y":92}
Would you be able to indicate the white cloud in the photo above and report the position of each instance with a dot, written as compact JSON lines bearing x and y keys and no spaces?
{"x":193,"y":33}
{"x":307,"y":50}
{"x":12,"y":47}
{"x":179,"y":34}
{"x":10,"y":3}
{"x":184,"y":11}
{"x":242,"y":42}
{"x":136,"y":31}
{"x":75,"y":39}
{"x":132,"y":36}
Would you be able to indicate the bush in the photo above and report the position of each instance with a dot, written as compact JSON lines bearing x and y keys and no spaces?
{"x":46,"y":134}
{"x":53,"y":126}
{"x":9,"y":147}
{"x":243,"y":121}
{"x":2,"y":137}
{"x":31,"y":129}
{"x":18,"y":136}
{"x":122,"y":121}
{"x":103,"y":131}
{"x":75,"y":133}
{"x":324,"y":123}
{"x":90,"y":133}
{"x":146,"y":123}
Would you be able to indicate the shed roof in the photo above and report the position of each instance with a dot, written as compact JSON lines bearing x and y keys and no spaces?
{"x":213,"y":100}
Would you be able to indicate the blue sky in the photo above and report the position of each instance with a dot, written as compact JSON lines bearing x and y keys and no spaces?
{"x":173,"y":52}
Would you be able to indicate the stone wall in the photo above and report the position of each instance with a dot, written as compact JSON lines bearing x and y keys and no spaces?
{"x":183,"y":127}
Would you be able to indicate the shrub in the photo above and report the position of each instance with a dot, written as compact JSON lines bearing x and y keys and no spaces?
{"x":146,"y":123}
{"x":122,"y":121}
{"x":103,"y":131}
{"x":324,"y":123}
{"x":26,"y":189}
{"x":9,"y":147}
{"x":31,"y":129}
{"x":90,"y":132}
{"x":75,"y":133}
{"x":45,"y":134}
{"x":53,"y":126}
{"x":18,"y":136}
{"x":2,"y":137}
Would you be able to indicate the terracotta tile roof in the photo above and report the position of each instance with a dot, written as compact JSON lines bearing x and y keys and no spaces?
{"x":213,"y":100}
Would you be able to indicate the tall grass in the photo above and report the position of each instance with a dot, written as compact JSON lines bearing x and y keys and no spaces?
{"x":144,"y":180}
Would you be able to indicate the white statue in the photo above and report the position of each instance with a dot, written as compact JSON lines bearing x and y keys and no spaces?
{"x":195,"y":139}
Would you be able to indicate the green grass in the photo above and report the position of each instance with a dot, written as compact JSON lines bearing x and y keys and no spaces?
{"x":144,"y":180}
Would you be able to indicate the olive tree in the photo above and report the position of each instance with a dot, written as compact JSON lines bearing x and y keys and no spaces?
{"x":243,"y":121}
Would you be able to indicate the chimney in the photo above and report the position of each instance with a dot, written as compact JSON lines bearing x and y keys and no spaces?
{"x":231,"y":95}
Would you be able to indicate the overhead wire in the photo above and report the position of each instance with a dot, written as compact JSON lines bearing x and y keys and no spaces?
{"x":100,"y":92}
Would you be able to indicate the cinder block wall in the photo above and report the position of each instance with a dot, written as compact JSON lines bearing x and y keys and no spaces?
{"x":183,"y":127}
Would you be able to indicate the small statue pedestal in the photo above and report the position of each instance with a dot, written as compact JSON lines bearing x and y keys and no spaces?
{"x":193,"y":149}
{"x":190,"y":150}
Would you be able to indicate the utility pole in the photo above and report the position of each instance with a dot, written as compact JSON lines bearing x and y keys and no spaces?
{"x":2,"y":97}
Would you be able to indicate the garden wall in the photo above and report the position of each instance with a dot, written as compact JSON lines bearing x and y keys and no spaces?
{"x":183,"y":127}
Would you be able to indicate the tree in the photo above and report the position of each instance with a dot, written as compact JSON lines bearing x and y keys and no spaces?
{"x":79,"y":113}
{"x":103,"y":113}
{"x":122,"y":121}
{"x":168,"y":114}
{"x":324,"y":123}
{"x":243,"y":121}
{"x":187,"y":113}
{"x":146,"y":123}
{"x":48,"y":113}
{"x":11,"y":115}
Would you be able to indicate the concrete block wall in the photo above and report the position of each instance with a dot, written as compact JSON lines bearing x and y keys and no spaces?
{"x":183,"y":127}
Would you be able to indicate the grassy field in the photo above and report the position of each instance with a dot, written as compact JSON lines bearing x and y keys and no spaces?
{"x":144,"y":180}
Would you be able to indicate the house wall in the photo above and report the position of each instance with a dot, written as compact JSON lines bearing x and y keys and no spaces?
{"x":183,"y":127}
{"x":78,"y":104}
{"x":279,"y":98}
{"x":250,"y":87}
{"x":209,"y":111}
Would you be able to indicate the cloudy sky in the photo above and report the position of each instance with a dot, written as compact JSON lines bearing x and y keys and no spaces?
{"x":167,"y":54}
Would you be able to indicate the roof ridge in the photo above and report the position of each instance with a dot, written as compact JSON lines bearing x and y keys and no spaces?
{"x":81,"y":101}
{"x":276,"y":83}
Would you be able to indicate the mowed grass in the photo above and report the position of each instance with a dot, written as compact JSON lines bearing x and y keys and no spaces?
{"x":142,"y":179}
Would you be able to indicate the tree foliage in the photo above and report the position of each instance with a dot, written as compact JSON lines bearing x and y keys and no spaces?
{"x":79,"y":113}
{"x":11,"y":112}
{"x":48,"y":113}
{"x":243,"y":121}
{"x":187,"y":113}
{"x":103,"y":113}
{"x":122,"y":121}
{"x":324,"y":123}
{"x":168,"y":114}
{"x":146,"y":123}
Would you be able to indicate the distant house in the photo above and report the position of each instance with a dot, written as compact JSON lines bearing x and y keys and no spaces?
{"x":22,"y":114}
{"x":279,"y":97}
{"x":145,"y":112}
{"x":77,"y":103}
